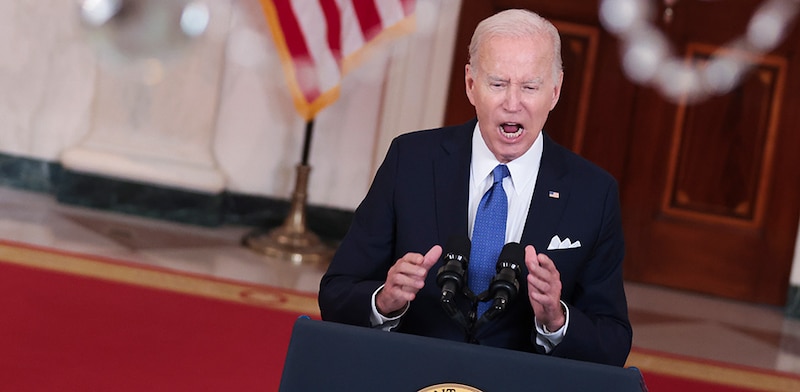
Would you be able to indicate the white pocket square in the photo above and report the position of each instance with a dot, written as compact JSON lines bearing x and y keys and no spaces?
{"x":556,"y":243}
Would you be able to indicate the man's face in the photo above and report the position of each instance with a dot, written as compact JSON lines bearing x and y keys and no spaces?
{"x":513,"y":91}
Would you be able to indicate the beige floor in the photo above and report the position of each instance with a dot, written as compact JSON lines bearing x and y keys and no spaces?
{"x":664,"y":320}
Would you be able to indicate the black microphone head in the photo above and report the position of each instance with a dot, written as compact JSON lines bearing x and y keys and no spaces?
{"x":505,"y":284}
{"x":455,"y":259}
{"x":458,"y":247}
{"x":512,"y":256}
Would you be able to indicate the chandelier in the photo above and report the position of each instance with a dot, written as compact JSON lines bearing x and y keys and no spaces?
{"x":648,"y":57}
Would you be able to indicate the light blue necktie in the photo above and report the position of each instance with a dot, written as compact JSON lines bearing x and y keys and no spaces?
{"x":488,"y":236}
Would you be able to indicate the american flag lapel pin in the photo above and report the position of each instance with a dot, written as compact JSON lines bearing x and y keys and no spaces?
{"x":553,"y":194}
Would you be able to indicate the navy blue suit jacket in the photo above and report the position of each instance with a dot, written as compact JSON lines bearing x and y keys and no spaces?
{"x":419,"y":198}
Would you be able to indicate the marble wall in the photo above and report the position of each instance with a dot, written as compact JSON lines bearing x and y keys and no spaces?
{"x":47,"y":78}
{"x":216,"y":114}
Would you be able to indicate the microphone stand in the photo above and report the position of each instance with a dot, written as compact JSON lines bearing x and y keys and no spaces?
{"x":471,"y":323}
{"x":476,"y":323}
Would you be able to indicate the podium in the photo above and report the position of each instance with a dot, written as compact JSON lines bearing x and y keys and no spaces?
{"x":326,"y":356}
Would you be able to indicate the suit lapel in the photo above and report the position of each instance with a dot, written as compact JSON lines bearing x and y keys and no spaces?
{"x":549,"y":197}
{"x":451,"y":175}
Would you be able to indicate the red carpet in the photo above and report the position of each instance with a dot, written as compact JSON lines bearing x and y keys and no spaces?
{"x":74,"y":322}
{"x":668,"y":372}
{"x":658,"y":382}
{"x":66,"y":332}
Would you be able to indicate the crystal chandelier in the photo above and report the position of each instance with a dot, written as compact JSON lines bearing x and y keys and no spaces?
{"x":648,"y":57}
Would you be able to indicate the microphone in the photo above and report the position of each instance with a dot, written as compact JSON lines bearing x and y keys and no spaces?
{"x":505,"y":284}
{"x":451,"y":274}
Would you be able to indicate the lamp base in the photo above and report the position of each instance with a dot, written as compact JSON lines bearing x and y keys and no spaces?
{"x":292,"y":241}
{"x":299,"y":247}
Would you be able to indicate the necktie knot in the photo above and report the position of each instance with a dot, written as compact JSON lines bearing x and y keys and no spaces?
{"x":500,"y":172}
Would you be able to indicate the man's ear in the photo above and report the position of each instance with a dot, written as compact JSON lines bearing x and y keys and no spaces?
{"x":557,"y":90}
{"x":469,"y":84}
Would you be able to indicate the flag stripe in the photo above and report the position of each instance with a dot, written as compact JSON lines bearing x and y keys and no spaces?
{"x":408,"y":7}
{"x":333,"y":20}
{"x":352,"y":37}
{"x":318,"y":41}
{"x":298,"y":49}
{"x":292,"y":34}
{"x":320,"y":72}
{"x":369,"y":19}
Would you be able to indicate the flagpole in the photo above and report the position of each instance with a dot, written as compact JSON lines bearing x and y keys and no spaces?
{"x":307,"y":141}
{"x":292,"y":241}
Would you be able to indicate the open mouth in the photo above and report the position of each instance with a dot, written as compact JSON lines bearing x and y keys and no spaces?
{"x":511,"y":130}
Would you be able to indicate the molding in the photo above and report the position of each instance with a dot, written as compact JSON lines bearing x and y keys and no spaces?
{"x":164,"y":203}
{"x":28,"y":173}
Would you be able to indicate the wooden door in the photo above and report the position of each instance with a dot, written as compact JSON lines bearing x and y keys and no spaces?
{"x":710,"y":191}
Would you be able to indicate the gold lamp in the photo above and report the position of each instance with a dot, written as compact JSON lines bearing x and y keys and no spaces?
{"x":292,"y":241}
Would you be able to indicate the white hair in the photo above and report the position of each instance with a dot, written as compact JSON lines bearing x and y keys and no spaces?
{"x":516,"y":23}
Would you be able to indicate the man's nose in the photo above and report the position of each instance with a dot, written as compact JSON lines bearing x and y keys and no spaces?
{"x":513,"y":99}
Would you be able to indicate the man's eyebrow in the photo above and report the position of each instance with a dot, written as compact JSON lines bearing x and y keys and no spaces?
{"x":494,"y":78}
{"x":537,"y":80}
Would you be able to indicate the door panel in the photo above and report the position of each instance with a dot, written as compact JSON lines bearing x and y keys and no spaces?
{"x":567,"y":123}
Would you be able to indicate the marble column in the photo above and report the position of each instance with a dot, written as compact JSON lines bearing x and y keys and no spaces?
{"x":153,"y":119}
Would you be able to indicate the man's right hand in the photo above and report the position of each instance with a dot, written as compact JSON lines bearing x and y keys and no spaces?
{"x":404,"y":280}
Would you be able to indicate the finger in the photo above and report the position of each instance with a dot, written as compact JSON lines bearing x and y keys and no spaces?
{"x":544,"y":277}
{"x":543,"y":267}
{"x":539,"y":287}
{"x":408,"y":282}
{"x":542,"y":273}
{"x":546,"y":262}
{"x":415,"y":275}
{"x":544,"y":292}
{"x":430,"y":258}
{"x":406,"y":273}
{"x":411,"y":264}
{"x":543,"y":280}
{"x":531,"y":260}
{"x":412,"y":258}
{"x":401,"y":274}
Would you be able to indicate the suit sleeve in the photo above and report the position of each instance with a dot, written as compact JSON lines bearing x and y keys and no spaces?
{"x":365,"y":254}
{"x":599,"y":329}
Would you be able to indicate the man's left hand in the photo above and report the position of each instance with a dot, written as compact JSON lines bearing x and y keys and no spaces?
{"x":544,"y":289}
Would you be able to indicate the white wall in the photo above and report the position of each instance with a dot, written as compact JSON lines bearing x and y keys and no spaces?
{"x":47,"y":76}
{"x":219,"y":116}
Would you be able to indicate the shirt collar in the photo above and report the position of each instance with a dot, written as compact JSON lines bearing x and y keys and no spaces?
{"x":523,"y":169}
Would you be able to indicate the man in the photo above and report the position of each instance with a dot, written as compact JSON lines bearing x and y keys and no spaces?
{"x":571,"y":301}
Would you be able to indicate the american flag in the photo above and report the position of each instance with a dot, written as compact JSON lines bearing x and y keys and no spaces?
{"x":319,"y":41}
